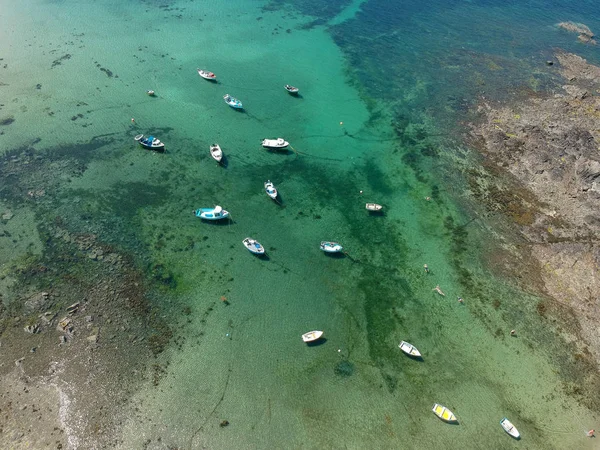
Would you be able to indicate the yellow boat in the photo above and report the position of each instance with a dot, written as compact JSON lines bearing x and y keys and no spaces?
{"x":444,"y":413}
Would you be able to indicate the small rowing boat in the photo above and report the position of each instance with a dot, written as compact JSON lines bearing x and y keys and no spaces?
{"x":409,"y":349}
{"x":510,"y":428}
{"x":331,"y":247}
{"x":312,"y":336}
{"x":270,"y":189}
{"x":233,"y":102}
{"x":207,"y":75}
{"x":253,"y":246}
{"x":216,"y":152}
{"x":373,"y":207}
{"x":150,"y":93}
{"x":291,"y":89}
{"x":444,"y":413}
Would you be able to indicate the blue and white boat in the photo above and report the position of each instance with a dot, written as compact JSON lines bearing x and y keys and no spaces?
{"x":270,"y":189}
{"x":216,"y":213}
{"x":233,"y":102}
{"x":254,"y":246}
{"x":150,"y":142}
{"x":331,"y":247}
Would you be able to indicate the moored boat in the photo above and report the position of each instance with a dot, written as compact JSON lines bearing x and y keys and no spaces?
{"x":312,"y":336}
{"x":275,"y":143}
{"x":444,"y":413}
{"x":373,"y":207}
{"x":150,"y":142}
{"x":233,"y":102}
{"x":291,"y":89}
{"x":216,"y":213}
{"x":270,"y":189}
{"x":331,"y":247}
{"x":207,"y":75}
{"x":254,"y":246}
{"x":150,"y":93}
{"x":409,"y":349}
{"x":510,"y":428}
{"x":216,"y":152}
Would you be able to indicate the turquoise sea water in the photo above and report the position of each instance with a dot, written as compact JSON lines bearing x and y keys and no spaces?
{"x":385,"y":87}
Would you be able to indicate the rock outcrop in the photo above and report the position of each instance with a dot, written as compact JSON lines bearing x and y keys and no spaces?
{"x":550,"y":148}
{"x":585,"y":34}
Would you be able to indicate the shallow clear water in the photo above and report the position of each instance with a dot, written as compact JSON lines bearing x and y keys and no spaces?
{"x":380,"y":90}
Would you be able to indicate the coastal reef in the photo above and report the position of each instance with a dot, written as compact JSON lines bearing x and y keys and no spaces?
{"x":545,"y":148}
{"x":585,"y":34}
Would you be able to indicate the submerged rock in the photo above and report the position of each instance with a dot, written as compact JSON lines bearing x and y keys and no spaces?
{"x":585,"y":34}
{"x":33,"y":329}
{"x":344,"y":368}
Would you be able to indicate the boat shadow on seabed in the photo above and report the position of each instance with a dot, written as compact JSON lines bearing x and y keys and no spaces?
{"x":317,"y":343}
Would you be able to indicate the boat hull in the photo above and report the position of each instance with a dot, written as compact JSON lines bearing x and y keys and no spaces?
{"x":373,"y":207}
{"x":291,"y":89}
{"x":312,"y":336}
{"x":275,"y":143}
{"x":331,"y":247}
{"x":211,"y":213}
{"x":510,"y":428}
{"x":444,"y":413}
{"x":233,"y":102}
{"x":216,"y":152}
{"x":150,"y":143}
{"x":409,"y":349}
{"x":271,"y":190}
{"x":207,"y":75}
{"x":253,"y":246}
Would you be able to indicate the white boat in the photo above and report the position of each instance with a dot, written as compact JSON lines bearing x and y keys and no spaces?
{"x":233,"y":102}
{"x":373,"y":207}
{"x":253,"y":246}
{"x":149,"y":142}
{"x":444,"y":413}
{"x":216,"y":152}
{"x":409,"y":349}
{"x":270,"y":189}
{"x":510,"y":428}
{"x":150,"y":93}
{"x":216,"y":213}
{"x":312,"y":336}
{"x":275,"y":143}
{"x":291,"y":89}
{"x":207,"y":75}
{"x":331,"y":247}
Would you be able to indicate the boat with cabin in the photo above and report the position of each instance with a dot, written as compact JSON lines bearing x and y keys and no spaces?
{"x":150,"y":142}
{"x":253,"y":246}
{"x":233,"y":102}
{"x":275,"y":143}
{"x":216,"y":213}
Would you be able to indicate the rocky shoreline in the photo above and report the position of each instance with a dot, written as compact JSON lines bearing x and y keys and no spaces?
{"x":74,"y":354}
{"x":545,"y":151}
